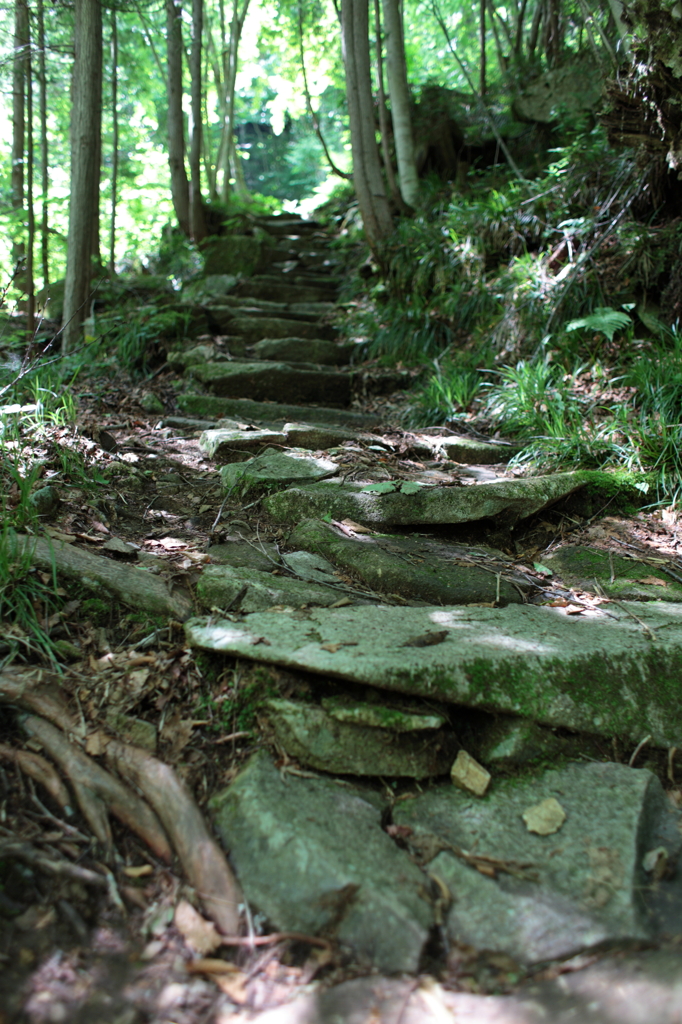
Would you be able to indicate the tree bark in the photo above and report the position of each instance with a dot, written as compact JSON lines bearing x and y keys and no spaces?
{"x":30,"y":213}
{"x":197,"y":226}
{"x":176,"y":126}
{"x":384,"y":119}
{"x":114,"y":142}
{"x":86,"y":132}
{"x":369,"y":186}
{"x":399,"y":92}
{"x":21,"y":47}
{"x":44,"y":167}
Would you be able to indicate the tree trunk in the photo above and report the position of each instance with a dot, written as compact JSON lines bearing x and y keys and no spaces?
{"x":114,"y":142}
{"x":384,"y":120}
{"x":176,"y":127}
{"x":617,"y":10}
{"x":369,"y":186}
{"x":86,"y":131}
{"x":30,"y":214}
{"x":44,"y":168}
{"x":399,"y":92}
{"x":21,"y":49}
{"x":197,"y":226}
{"x":481,"y":29}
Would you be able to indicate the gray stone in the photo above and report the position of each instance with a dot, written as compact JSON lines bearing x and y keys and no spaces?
{"x":406,"y":566}
{"x":180,"y":359}
{"x":469,"y":451}
{"x":233,"y":255}
{"x":318,"y":438}
{"x":506,"y":500}
{"x":590,"y":569}
{"x":152,"y":403}
{"x":598,"y":673}
{"x":274,"y":469}
{"x":275,"y":288}
{"x":309,"y":566}
{"x":269,"y":381}
{"x":257,"y":328}
{"x":311,"y":855}
{"x":271,"y":412}
{"x":379,"y":716}
{"x":44,"y":500}
{"x":302,"y":350}
{"x":241,"y":555}
{"x":581,"y":884}
{"x":324,"y":741}
{"x":230,"y":445}
{"x":518,"y":741}
{"x":211,"y":287}
{"x":250,"y":590}
{"x":571,"y":86}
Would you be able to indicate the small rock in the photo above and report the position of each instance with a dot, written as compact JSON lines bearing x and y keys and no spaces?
{"x":45,"y":500}
{"x":545,"y":818}
{"x":150,"y":403}
{"x":468,"y":774}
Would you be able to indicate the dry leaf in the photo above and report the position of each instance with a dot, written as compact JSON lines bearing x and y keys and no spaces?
{"x":234,"y":986}
{"x":200,"y":935}
{"x":575,"y":609}
{"x":653,"y":581}
{"x":355,"y":527}
{"x":96,"y":743}
{"x":427,"y":639}
{"x":138,"y":872}
{"x":332,"y":648}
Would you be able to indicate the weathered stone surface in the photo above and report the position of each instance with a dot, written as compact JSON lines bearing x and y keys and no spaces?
{"x":312,"y":856}
{"x":231,"y":445}
{"x":234,"y":254}
{"x":209,"y":288}
{"x":405,"y":566}
{"x":302,"y":350}
{"x":308,"y":566}
{"x":271,"y":412}
{"x":241,"y":555}
{"x":506,"y":500}
{"x":380,"y":716}
{"x":180,"y":359}
{"x":256,"y":328}
{"x":250,"y":590}
{"x":269,"y":381}
{"x":631,"y":578}
{"x":597,"y":673}
{"x":318,"y":438}
{"x":284,"y":291}
{"x":586,"y":879}
{"x":274,"y":469}
{"x":471,"y":452}
{"x":322,"y":740}
{"x":517,"y":741}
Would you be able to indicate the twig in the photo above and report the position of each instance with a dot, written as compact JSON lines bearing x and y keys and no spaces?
{"x":637,"y":749}
{"x":30,"y":855}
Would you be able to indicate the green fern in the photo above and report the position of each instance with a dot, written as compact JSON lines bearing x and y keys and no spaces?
{"x":604,"y":319}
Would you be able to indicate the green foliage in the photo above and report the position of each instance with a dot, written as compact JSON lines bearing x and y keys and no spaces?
{"x":604,"y":320}
{"x":450,"y":391}
{"x":137,"y":336}
{"x":533,"y":399}
{"x":28,"y":598}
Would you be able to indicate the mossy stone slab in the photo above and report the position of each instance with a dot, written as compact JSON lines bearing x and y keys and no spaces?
{"x":302,"y":350}
{"x":590,"y":569}
{"x":270,"y":381}
{"x":312,"y":856}
{"x":279,"y":290}
{"x":248,"y":411}
{"x":506,"y":500}
{"x":407,"y":566}
{"x":237,"y":445}
{"x":471,"y":452}
{"x":241,"y":555}
{"x":598,"y":673}
{"x":233,"y":254}
{"x":274,"y":469}
{"x":250,"y":590}
{"x":587,"y":877}
{"x":256,"y":328}
{"x":323,"y":741}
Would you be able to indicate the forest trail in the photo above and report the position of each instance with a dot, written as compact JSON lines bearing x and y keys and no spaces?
{"x":405,"y":608}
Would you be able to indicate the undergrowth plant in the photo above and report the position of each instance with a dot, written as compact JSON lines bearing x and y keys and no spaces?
{"x":28,"y":600}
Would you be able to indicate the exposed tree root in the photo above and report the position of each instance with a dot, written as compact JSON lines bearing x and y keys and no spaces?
{"x":202,"y":859}
{"x":99,"y":793}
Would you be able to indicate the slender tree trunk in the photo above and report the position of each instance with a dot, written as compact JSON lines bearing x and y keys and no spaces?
{"x":30,"y":213}
{"x":176,"y":127}
{"x":236,"y":28}
{"x":384,"y":120}
{"x":196,"y":210}
{"x":617,"y":10}
{"x":369,"y":187}
{"x":309,"y":103}
{"x":114,"y":142}
{"x":44,"y":166}
{"x":481,"y":28}
{"x":535,"y":28}
{"x":21,"y":50}
{"x":86,"y":127}
{"x":399,"y":92}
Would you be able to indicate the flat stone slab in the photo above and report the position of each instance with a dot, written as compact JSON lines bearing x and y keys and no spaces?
{"x":251,"y":590}
{"x":472,"y":452}
{"x":228,"y":445}
{"x":590,"y":569}
{"x":248,"y":411}
{"x":242,"y":555}
{"x":274,"y":469}
{"x":265,"y":380}
{"x":281,"y":290}
{"x":599,"y":672}
{"x":583,"y":873}
{"x":506,"y":500}
{"x":302,"y":350}
{"x":254,"y":329}
{"x":411,"y":567}
{"x":311,"y":855}
{"x":321,"y":739}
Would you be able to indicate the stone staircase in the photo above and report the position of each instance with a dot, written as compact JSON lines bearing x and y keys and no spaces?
{"x":412,"y":646}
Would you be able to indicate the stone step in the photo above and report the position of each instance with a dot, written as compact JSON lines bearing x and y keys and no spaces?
{"x":288,"y":225}
{"x":302,"y":350}
{"x":266,"y":381}
{"x":274,"y":414}
{"x":280,"y":288}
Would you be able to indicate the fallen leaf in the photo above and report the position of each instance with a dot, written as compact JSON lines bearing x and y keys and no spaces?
{"x":199,"y":934}
{"x":332,"y":648}
{"x":544,"y":818}
{"x":410,"y":487}
{"x":427,"y":639}
{"x":355,"y":527}
{"x":233,"y":985}
{"x":539,"y":567}
{"x":211,"y":966}
{"x":575,"y":609}
{"x":96,"y":743}
{"x":653,"y":581}
{"x":138,"y":872}
{"x":384,"y":487}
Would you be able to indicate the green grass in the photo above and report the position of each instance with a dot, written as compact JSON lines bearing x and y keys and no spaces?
{"x":28,"y":599}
